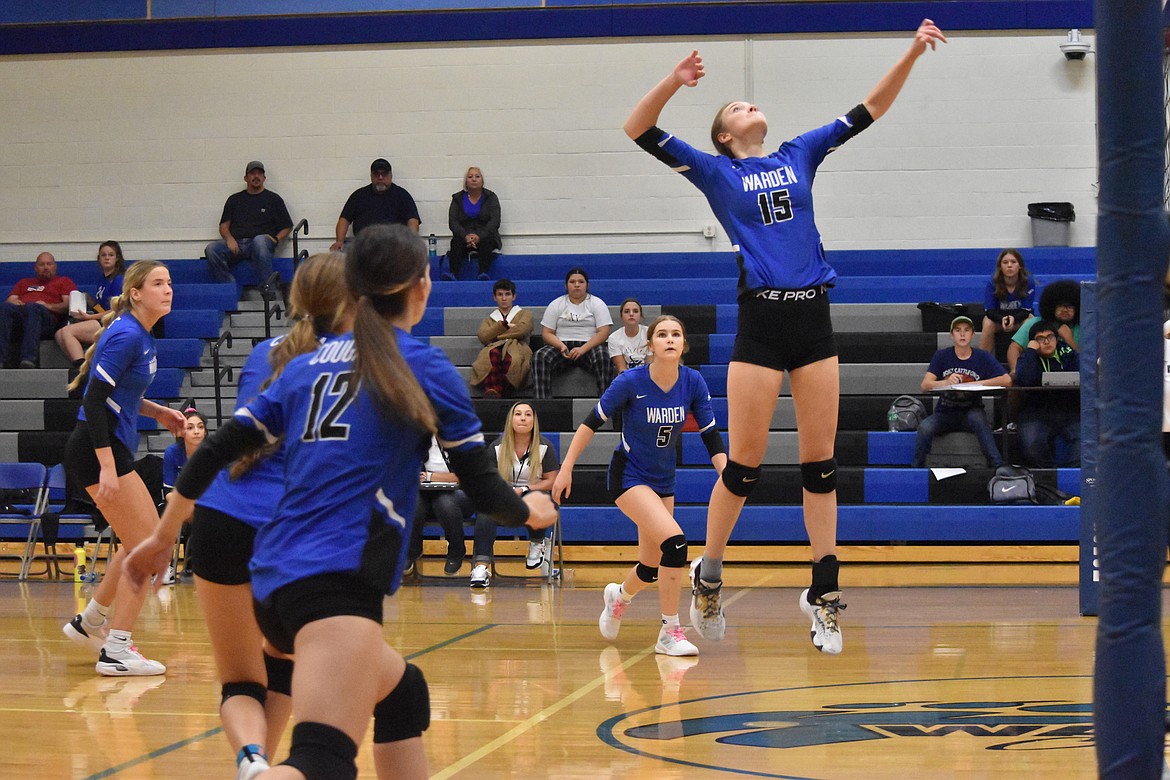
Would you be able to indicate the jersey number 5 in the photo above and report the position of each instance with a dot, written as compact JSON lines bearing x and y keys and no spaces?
{"x":335,"y":389}
{"x":775,"y":206}
{"x":664,"y":432}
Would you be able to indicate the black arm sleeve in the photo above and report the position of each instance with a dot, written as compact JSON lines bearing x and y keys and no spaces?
{"x":96,"y":394}
{"x":713,"y":441}
{"x":593,"y":420}
{"x":481,"y":482}
{"x":649,"y":142}
{"x":859,"y":119}
{"x":229,"y":443}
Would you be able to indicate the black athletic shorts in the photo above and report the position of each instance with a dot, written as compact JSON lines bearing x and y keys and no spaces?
{"x":81,"y":461}
{"x":615,"y":477}
{"x":784,"y":329}
{"x":220,"y":547}
{"x":294,"y":606}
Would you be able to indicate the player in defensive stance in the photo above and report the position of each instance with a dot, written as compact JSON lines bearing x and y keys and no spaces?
{"x":652,"y":401}
{"x":763,"y":200}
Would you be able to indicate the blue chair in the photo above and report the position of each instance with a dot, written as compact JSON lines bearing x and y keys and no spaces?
{"x":56,"y":502}
{"x":25,"y":483}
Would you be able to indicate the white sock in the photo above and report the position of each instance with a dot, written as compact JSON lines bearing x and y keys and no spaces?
{"x":626,"y":597}
{"x":670,"y":621}
{"x":118,"y":640}
{"x":94,"y":614}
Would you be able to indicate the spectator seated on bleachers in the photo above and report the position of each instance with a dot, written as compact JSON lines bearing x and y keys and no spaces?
{"x":527,"y":461}
{"x":628,"y":345}
{"x":474,"y":219}
{"x":574,"y":329}
{"x":957,"y":410}
{"x":381,"y":202}
{"x":1010,"y":298}
{"x":1060,"y":302}
{"x":253,"y":223}
{"x":504,"y":364}
{"x":84,"y":324}
{"x":441,"y":500}
{"x":35,"y":309}
{"x":1045,"y":417}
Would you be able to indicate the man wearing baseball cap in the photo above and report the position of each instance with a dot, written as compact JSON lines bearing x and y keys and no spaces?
{"x":380,"y":202}
{"x":960,"y":410}
{"x":254,"y":222}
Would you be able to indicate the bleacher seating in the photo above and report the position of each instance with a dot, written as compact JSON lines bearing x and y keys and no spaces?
{"x":883,"y":353}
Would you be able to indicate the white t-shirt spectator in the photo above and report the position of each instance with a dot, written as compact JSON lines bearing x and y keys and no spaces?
{"x":633,"y":348}
{"x":576,"y":321}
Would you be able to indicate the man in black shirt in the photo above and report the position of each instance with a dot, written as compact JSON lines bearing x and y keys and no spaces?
{"x":254,"y":221}
{"x":380,"y":202}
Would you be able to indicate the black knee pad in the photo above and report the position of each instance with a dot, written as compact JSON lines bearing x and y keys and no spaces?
{"x":280,"y":671}
{"x":819,"y":476}
{"x":647,"y":574}
{"x":740,"y":479}
{"x":251,"y":689}
{"x":674,"y":552}
{"x":321,"y":752}
{"x":406,"y":712}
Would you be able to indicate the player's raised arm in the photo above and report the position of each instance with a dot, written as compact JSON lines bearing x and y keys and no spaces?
{"x":646,"y":112}
{"x":879,"y":100}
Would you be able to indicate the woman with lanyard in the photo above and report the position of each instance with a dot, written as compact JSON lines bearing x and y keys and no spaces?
{"x":652,"y":402}
{"x":357,"y":416}
{"x":764,"y":202}
{"x":117,"y":372}
{"x":525,"y":469}
{"x":256,"y":681}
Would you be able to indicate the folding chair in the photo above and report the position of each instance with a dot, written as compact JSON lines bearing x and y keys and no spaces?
{"x":554,"y":572}
{"x":28,"y":478}
{"x":58,"y":502}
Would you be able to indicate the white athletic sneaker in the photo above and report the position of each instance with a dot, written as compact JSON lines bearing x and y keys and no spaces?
{"x":535,"y":555}
{"x":706,"y":607}
{"x":481,"y":575}
{"x":611,"y":617}
{"x":826,"y":631}
{"x":546,"y":564}
{"x":672,"y":640}
{"x":127,"y":663}
{"x":92,"y":638}
{"x":169,"y":576}
{"x":251,"y":765}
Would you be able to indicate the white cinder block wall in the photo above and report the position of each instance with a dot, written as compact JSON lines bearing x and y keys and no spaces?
{"x":144,"y":148}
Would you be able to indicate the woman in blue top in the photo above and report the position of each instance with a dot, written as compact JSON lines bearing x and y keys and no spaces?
{"x":117,"y":371}
{"x":357,"y":416}
{"x":176,"y":455}
{"x":1010,"y":298}
{"x":764,"y":201}
{"x":73,"y":338}
{"x":653,"y":401}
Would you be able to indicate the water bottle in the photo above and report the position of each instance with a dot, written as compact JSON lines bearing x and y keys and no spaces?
{"x":892,"y":421}
{"x":80,"y":570}
{"x":432,"y":249}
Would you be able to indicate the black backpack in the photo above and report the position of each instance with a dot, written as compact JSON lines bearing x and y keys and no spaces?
{"x":1012,"y":485}
{"x":906,"y":413}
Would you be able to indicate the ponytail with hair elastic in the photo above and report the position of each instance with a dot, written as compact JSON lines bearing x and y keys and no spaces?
{"x":382,"y":369}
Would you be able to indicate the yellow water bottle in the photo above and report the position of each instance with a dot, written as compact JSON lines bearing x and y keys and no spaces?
{"x":79,"y":567}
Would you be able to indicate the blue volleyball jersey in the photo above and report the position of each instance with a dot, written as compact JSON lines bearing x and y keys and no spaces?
{"x":765,"y":204}
{"x":351,"y":473}
{"x":652,"y":421}
{"x":252,"y":498}
{"x":107,"y":287}
{"x":126,"y":359}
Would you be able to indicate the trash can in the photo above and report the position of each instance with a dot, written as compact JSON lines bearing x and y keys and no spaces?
{"x":1050,"y":223}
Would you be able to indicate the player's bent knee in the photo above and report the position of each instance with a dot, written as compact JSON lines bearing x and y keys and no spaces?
{"x":674,"y":552}
{"x":739,"y":479}
{"x":321,"y":752}
{"x":819,"y":476}
{"x":280,"y":672}
{"x":252,"y":690}
{"x":647,"y":574}
{"x":406,"y":712}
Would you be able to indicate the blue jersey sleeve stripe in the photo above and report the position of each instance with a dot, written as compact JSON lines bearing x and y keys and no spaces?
{"x":104,"y":376}
{"x":244,"y":415}
{"x":450,"y":445}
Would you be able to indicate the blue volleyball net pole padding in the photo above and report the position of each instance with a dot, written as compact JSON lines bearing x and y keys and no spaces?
{"x":1090,"y":568}
{"x":1130,"y":500}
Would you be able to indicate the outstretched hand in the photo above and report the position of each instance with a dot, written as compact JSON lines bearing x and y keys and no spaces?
{"x":927,"y":35}
{"x":690,"y":70}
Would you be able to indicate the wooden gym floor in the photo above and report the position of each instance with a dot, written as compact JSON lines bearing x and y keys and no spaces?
{"x":968,"y":682}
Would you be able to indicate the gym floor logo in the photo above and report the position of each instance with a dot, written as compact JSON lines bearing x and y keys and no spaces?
{"x":784,"y":733}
